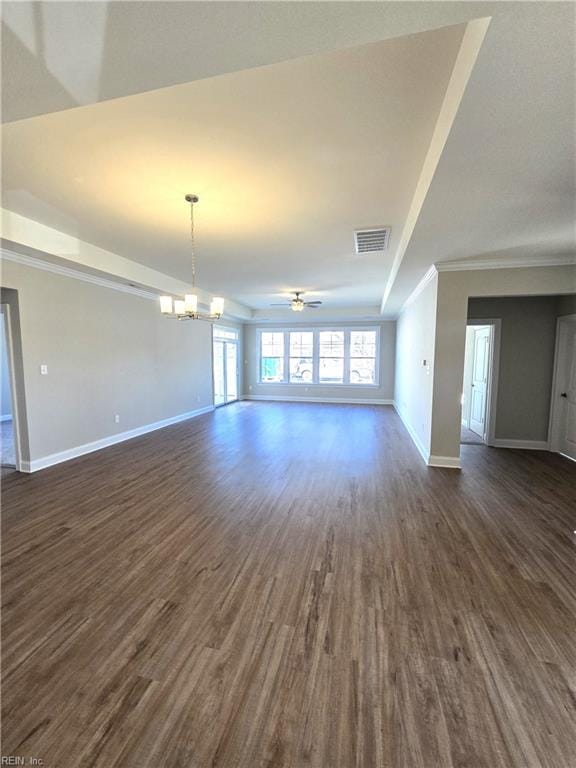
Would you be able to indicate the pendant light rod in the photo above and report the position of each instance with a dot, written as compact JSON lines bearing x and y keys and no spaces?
{"x":187,"y":309}
{"x":192,"y":199}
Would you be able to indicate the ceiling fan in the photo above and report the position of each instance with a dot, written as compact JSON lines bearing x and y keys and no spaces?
{"x":297,"y":304}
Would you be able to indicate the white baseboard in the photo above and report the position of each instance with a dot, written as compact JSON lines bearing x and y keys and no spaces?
{"x":6,"y":417}
{"x":415,"y":439}
{"x":292,"y":399}
{"x":105,"y":442}
{"x":449,"y":462}
{"x":525,"y":445}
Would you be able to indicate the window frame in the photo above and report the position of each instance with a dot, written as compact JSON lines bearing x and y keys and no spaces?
{"x":315,"y":382}
{"x":282,"y":357}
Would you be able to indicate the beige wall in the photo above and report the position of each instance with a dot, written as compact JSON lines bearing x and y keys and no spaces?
{"x":414,"y":380}
{"x":107,"y":353}
{"x":385,"y":391}
{"x":454,"y":290}
{"x":527,"y":343}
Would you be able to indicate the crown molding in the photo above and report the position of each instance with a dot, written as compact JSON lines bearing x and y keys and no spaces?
{"x":430,"y":275}
{"x":506,"y":263}
{"x":76,"y":274}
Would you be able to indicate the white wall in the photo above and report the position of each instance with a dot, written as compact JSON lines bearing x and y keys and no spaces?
{"x":107,"y":353}
{"x":414,"y":381}
{"x":385,"y":390}
{"x":5,"y":397}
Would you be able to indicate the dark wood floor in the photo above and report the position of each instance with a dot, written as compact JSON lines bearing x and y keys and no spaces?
{"x":287,"y":585}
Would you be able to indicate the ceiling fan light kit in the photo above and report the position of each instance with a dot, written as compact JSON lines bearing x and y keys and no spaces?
{"x":187,"y":308}
{"x":297,"y":304}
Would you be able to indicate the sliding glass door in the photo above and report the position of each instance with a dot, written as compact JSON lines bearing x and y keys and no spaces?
{"x":225,"y":342}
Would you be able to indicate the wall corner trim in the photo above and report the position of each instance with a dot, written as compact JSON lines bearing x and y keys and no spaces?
{"x":105,"y":442}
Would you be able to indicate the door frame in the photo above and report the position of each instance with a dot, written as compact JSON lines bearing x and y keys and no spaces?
{"x":554,"y":423}
{"x":224,"y":341}
{"x":5,"y":309}
{"x":495,"y":325}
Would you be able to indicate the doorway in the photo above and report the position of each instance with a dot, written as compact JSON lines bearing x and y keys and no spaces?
{"x":225,"y":356}
{"x":479,"y":383}
{"x":563,"y":407}
{"x":8,"y":433}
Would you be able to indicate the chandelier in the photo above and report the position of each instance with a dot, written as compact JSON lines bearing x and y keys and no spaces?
{"x":187,"y":308}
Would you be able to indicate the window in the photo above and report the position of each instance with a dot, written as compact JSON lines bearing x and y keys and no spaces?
{"x":362,"y":359}
{"x":301,"y":356}
{"x":272,"y":356}
{"x":323,"y":356}
{"x":226,"y":334}
{"x":331,"y":368}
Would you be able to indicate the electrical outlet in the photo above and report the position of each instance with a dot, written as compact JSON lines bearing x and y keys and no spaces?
{"x":43,"y":369}
{"x":197,"y":398}
{"x":117,"y":418}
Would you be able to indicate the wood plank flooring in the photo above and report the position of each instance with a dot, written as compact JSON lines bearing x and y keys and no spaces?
{"x":282,"y":584}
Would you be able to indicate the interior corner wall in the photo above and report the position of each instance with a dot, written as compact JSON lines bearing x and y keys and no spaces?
{"x":454,"y":290}
{"x":415,"y":340}
{"x":107,"y":352}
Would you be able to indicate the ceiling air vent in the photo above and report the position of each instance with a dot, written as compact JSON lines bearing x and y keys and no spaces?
{"x":371,"y":240}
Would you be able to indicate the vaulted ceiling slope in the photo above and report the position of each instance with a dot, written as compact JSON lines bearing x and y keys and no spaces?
{"x":288,"y":160}
{"x":59,"y":55}
{"x":290,"y":157}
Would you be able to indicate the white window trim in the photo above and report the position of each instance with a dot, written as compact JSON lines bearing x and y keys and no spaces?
{"x":227,"y":329}
{"x":315,"y":383}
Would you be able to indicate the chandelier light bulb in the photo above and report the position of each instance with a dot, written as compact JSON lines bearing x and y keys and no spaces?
{"x":166,"y":305}
{"x":217,"y":306}
{"x":191,"y":303}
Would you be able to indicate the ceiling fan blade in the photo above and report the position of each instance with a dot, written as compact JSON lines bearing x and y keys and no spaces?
{"x":312,"y":303}
{"x":281,"y":305}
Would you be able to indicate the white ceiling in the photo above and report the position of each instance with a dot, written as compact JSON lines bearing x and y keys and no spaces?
{"x":504,"y":183}
{"x":288,"y":160}
{"x":58,"y":55}
{"x":505,"y":186}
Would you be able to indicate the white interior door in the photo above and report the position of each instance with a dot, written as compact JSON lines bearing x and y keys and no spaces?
{"x":567,"y":393}
{"x":479,"y":384}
